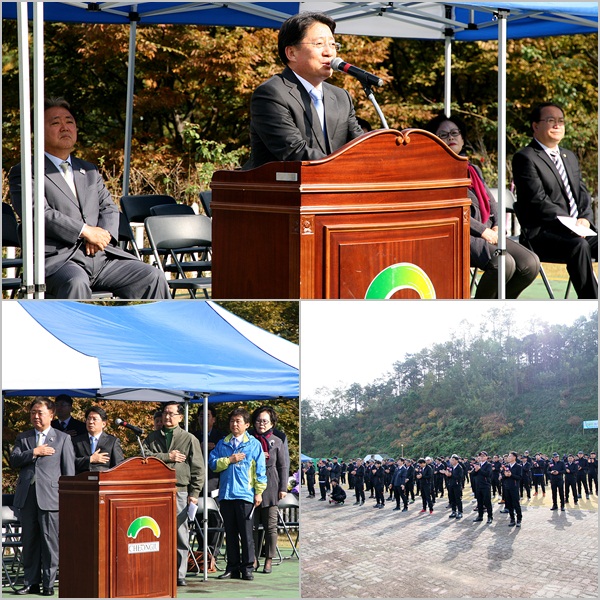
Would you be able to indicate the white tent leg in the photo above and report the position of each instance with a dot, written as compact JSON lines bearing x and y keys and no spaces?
{"x":26,"y":175}
{"x":502,"y":23}
{"x":129,"y":107}
{"x":205,"y":489}
{"x":38,"y":149}
{"x":447,"y":75}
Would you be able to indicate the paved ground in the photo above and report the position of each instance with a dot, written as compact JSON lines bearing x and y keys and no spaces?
{"x":364,"y":552}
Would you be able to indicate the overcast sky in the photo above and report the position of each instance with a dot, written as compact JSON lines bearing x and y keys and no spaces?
{"x":348,"y":341}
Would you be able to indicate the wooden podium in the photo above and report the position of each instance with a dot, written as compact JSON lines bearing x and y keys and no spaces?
{"x":386,"y":215}
{"x":118,"y":534}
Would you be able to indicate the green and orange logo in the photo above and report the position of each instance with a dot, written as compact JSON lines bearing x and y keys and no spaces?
{"x":399,"y":277}
{"x":143,"y":523}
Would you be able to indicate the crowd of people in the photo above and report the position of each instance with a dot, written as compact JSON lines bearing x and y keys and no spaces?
{"x":510,"y":478}
{"x":249,"y":467}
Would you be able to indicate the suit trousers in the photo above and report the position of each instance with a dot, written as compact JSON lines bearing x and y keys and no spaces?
{"x":521,"y":268}
{"x":359,"y":490}
{"x":512,"y":503}
{"x":399,"y":495}
{"x":238,"y":525}
{"x":558,"y":488}
{"x":183,"y":535}
{"x":577,"y":253}
{"x":484,"y":500}
{"x":571,"y":486}
{"x":40,"y":542}
{"x":582,"y":479}
{"x":455,"y":498}
{"x":127,"y":279}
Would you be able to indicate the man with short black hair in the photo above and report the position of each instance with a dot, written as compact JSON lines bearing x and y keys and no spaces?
{"x":454,"y":475}
{"x":296,"y":115}
{"x":64,"y":421}
{"x":582,"y":470}
{"x":96,"y":450}
{"x":82,"y":222}
{"x":556,"y":470}
{"x":512,"y":472}
{"x":482,"y":476}
{"x":550,"y":187}
{"x":43,"y":454}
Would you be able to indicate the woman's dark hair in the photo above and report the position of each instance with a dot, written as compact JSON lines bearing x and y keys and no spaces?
{"x":293,"y":30}
{"x":435,"y":123}
{"x":271,"y":412}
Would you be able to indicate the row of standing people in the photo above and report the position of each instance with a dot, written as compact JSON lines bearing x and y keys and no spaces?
{"x":252,"y":467}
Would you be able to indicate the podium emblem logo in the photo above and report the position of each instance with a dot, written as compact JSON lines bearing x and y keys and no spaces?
{"x":134,"y":529}
{"x":399,"y":277}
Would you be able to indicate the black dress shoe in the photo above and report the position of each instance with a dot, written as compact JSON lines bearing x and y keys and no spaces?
{"x":490,"y":520}
{"x":29,"y":589}
{"x":247,"y":576}
{"x":229,"y":575}
{"x":48,"y":591}
{"x":477,"y":519}
{"x":181,"y":582}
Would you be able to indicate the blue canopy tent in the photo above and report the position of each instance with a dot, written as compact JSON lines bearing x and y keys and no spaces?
{"x":448,"y":21}
{"x":184,"y":351}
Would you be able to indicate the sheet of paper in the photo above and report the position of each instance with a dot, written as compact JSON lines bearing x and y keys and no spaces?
{"x":192,"y":508}
{"x":571,"y":223}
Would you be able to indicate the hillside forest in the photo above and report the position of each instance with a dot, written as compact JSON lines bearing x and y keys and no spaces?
{"x":489,"y":390}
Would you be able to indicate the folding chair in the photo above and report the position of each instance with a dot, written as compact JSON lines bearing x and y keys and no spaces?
{"x":511,"y":209}
{"x":174,"y":235}
{"x":205,"y":200}
{"x":12,"y":548}
{"x":216,"y":529}
{"x":137,"y":209}
{"x":288,"y":518}
{"x":11,"y":241}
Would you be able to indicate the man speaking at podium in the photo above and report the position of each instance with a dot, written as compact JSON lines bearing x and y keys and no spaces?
{"x":295,"y":115}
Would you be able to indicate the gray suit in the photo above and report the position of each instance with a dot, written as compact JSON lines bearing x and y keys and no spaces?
{"x":38,"y":502}
{"x":285,"y":125}
{"x":69,"y":272}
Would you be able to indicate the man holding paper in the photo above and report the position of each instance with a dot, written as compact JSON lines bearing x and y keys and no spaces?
{"x":181,"y":451}
{"x":554,"y":206}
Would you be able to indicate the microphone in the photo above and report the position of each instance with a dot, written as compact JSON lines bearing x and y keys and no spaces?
{"x":136,"y":430}
{"x":337,"y":64}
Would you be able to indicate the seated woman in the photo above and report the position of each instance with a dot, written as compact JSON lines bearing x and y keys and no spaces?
{"x":521,"y":265}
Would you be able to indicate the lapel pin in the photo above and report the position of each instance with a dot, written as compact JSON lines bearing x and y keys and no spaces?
{"x":82,"y":171}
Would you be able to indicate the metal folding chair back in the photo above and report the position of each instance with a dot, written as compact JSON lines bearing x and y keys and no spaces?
{"x":176,"y":235}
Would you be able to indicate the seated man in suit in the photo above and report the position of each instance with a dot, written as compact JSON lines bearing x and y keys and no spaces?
{"x":295,"y":115}
{"x":96,"y":450}
{"x":82,"y":222}
{"x":549,"y":186}
{"x":42,"y":454}
{"x":64,"y":421}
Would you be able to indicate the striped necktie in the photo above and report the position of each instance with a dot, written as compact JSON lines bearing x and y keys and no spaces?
{"x":573,"y":212}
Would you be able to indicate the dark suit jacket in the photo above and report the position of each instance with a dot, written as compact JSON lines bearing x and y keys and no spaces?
{"x":541,"y":192}
{"x":65,"y":215}
{"x":284,"y":124}
{"x":74,"y":425}
{"x":106,"y":443}
{"x":47,"y":469}
{"x":516,"y":474}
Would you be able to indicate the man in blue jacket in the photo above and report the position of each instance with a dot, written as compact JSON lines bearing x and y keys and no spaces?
{"x":240,"y":461}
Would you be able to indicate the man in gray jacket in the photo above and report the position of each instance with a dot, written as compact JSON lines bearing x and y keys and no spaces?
{"x":179,"y":450}
{"x":42,"y":454}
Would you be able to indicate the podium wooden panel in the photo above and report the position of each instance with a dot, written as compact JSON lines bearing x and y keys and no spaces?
{"x":118,"y":534}
{"x":327,"y":228}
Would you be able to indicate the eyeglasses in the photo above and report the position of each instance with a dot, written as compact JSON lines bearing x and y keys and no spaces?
{"x":320,"y":45}
{"x":266,"y":421}
{"x":444,"y":135}
{"x":171,"y":414}
{"x":552,"y":121}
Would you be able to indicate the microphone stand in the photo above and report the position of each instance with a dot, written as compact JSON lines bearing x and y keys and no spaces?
{"x":371,"y":97}
{"x":141,"y":447}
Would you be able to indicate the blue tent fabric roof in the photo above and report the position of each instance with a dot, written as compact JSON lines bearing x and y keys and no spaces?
{"x":527,"y":19}
{"x":170,"y":345}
